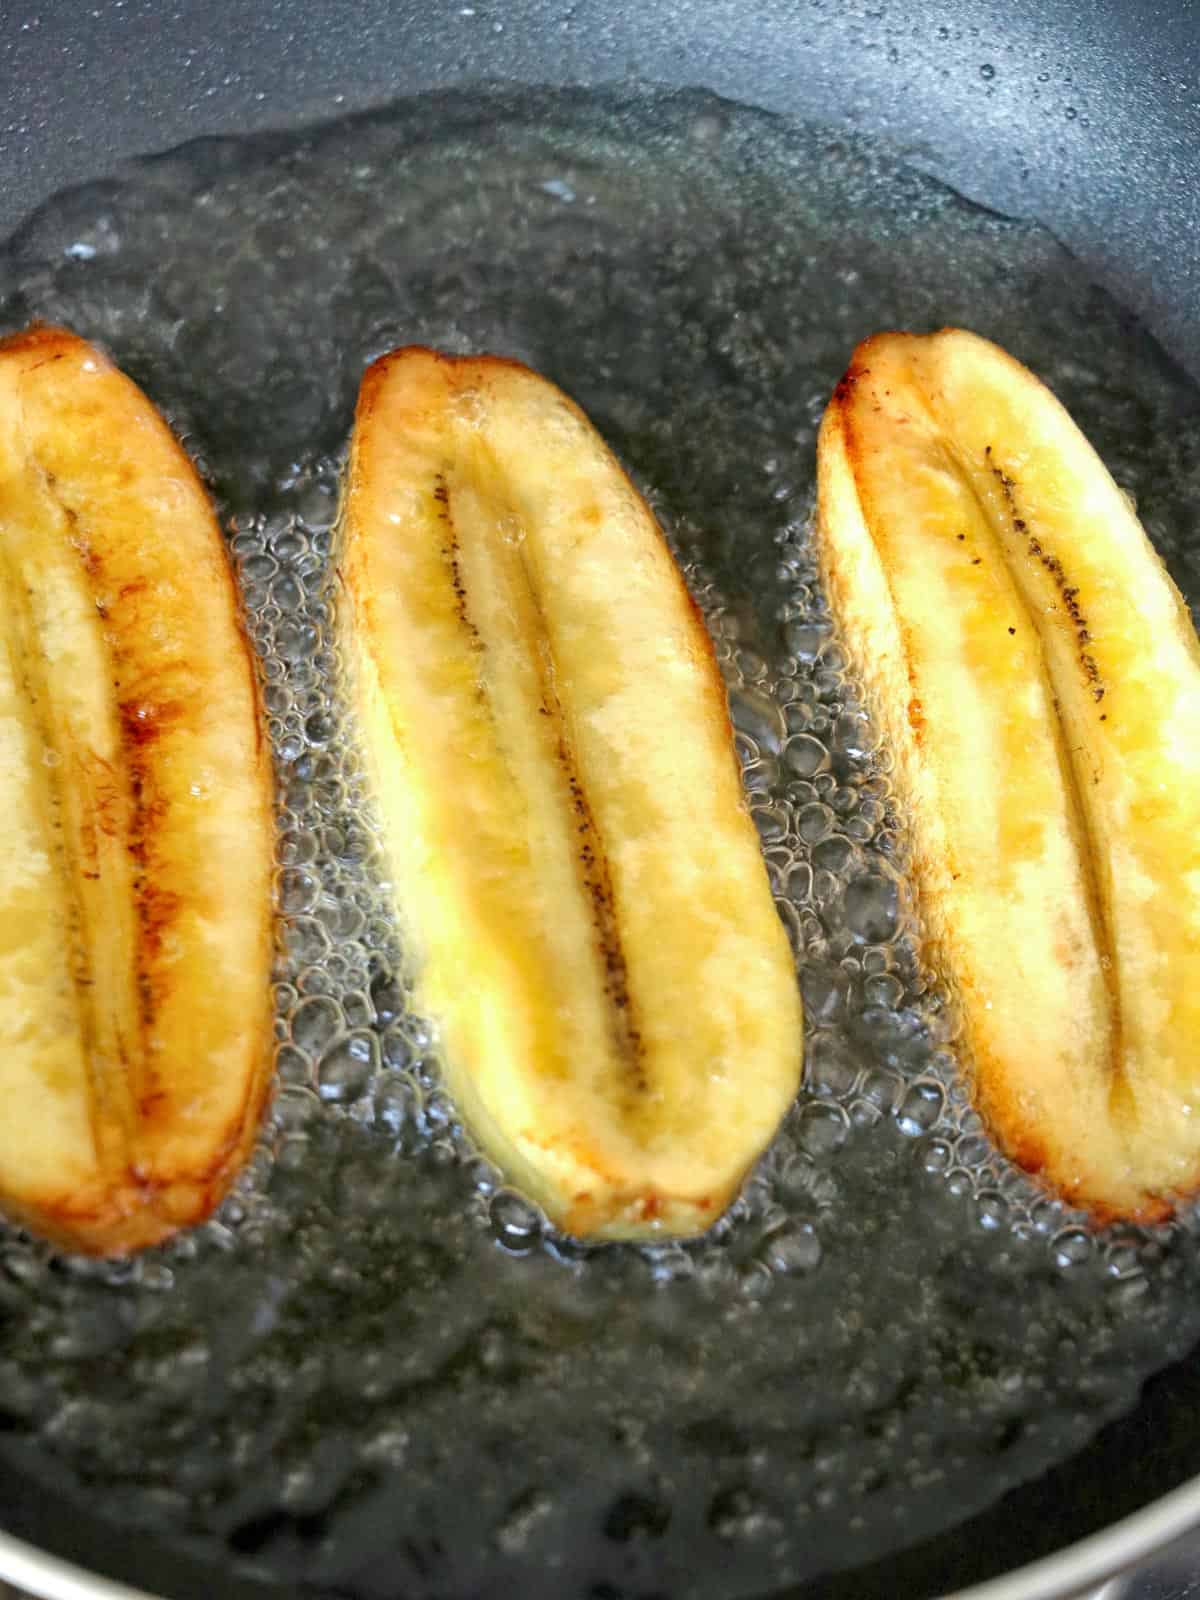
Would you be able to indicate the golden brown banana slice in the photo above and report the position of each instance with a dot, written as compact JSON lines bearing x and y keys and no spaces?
{"x":561,"y":802}
{"x":1038,"y":678}
{"x":135,"y":856}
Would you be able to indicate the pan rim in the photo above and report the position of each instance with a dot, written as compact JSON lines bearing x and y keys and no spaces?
{"x":1085,"y":1565}
{"x":1093,"y":1561}
{"x":50,"y":1578}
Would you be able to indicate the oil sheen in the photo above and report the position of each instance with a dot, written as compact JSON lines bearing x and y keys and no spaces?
{"x":378,"y":1371}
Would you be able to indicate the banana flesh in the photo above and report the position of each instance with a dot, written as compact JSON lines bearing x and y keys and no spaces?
{"x":1038,"y":678}
{"x":135,"y":859}
{"x":552,"y":756}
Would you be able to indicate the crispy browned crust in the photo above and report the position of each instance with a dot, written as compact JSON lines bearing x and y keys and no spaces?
{"x":140,"y":1207}
{"x":907,"y":732}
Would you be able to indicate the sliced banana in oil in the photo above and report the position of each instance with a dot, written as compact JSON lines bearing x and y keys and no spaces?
{"x":137,"y":846}
{"x":1037,"y":676}
{"x":572,"y":856}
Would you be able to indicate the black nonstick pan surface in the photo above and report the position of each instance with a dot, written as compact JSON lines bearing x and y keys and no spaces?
{"x":896,"y":1368}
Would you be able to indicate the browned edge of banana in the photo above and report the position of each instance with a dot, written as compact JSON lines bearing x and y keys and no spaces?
{"x":150,"y":1201}
{"x":906,"y":731}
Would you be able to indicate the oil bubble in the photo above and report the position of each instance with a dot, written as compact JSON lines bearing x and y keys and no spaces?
{"x":516,"y":1223}
{"x":346,"y":1067}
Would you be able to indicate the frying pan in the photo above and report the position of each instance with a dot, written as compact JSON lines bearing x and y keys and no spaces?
{"x":1082,"y":117}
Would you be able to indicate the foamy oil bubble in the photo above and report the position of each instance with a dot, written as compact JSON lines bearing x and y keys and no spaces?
{"x":884,"y":1310}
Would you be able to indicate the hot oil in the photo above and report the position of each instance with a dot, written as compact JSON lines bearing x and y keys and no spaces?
{"x":378,"y":1368}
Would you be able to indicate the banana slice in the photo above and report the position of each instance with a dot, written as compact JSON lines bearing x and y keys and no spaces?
{"x":135,"y":856}
{"x":561,"y":802}
{"x":1038,"y":678}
